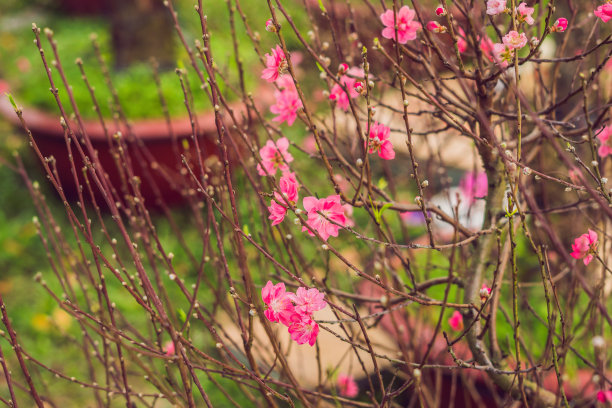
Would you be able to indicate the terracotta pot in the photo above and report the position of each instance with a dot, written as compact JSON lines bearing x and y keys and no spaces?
{"x":154,"y":151}
{"x":419,"y":333}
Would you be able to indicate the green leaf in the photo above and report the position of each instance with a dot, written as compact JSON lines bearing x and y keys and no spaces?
{"x":182,"y":315}
{"x":245,"y":229}
{"x":382,"y":183}
{"x":10,"y":97}
{"x":321,"y":6}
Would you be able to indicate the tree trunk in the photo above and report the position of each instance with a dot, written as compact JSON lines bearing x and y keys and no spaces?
{"x":141,"y":30}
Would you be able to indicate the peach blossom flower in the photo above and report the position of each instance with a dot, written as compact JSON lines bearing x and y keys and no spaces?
{"x":347,"y":387}
{"x":169,"y":348}
{"x":433,"y":26}
{"x":440,"y":11}
{"x":270,"y":25}
{"x":604,"y":396}
{"x":379,"y":141}
{"x":280,"y":308}
{"x":585,"y":246}
{"x":288,"y":103}
{"x":277,"y":210}
{"x":604,"y":135}
{"x":349,"y":81}
{"x":329,"y":207}
{"x":495,"y":7}
{"x":308,"y":301}
{"x":604,"y":12}
{"x":485,"y":292}
{"x":276,"y":64}
{"x":502,"y":54}
{"x":456,"y":321}
{"x":274,"y":156}
{"x":559,"y":26}
{"x":461,"y":41}
{"x":525,"y":13}
{"x":486,"y":46}
{"x":406,"y":27}
{"x":304,"y":330}
{"x":514,"y":40}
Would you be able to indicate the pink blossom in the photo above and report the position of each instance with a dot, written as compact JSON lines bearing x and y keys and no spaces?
{"x":308,"y":301}
{"x":349,"y":81}
{"x":347,"y":387}
{"x":585,"y":246}
{"x":525,"y":13}
{"x":309,"y":144}
{"x":280,"y":308}
{"x":274,"y":156}
{"x":495,"y":7}
{"x":604,"y":12}
{"x":502,"y":54}
{"x":288,"y":103}
{"x":342,"y":68}
{"x":514,"y":40}
{"x":276,"y":64}
{"x":406,"y":27}
{"x":486,"y":46}
{"x":277,"y":210}
{"x":560,"y":25}
{"x":329,"y":207}
{"x":304,"y":330}
{"x":270,"y":26}
{"x":485,"y":292}
{"x":605,"y":138}
{"x":456,"y":321}
{"x":289,"y":186}
{"x":379,"y":141}
{"x":474,"y":185}
{"x":461,"y":42}
{"x":433,"y":26}
{"x":169,"y":348}
{"x":440,"y":11}
{"x":285,"y":82}
{"x":604,"y":396}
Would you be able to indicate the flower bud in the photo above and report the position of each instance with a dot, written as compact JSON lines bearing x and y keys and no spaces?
{"x":440,"y":11}
{"x":270,"y":27}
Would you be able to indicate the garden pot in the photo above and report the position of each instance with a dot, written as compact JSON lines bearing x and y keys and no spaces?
{"x":471,"y":388}
{"x":154,"y":151}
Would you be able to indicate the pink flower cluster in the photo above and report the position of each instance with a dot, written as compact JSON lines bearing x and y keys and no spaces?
{"x":347,"y":387}
{"x":350,"y":79}
{"x":604,"y":12}
{"x":585,"y":246}
{"x":379,"y":141}
{"x":406,"y":27}
{"x":294,"y":310}
{"x":604,"y":135}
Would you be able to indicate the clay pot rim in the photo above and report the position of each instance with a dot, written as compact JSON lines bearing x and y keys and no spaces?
{"x":147,"y":130}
